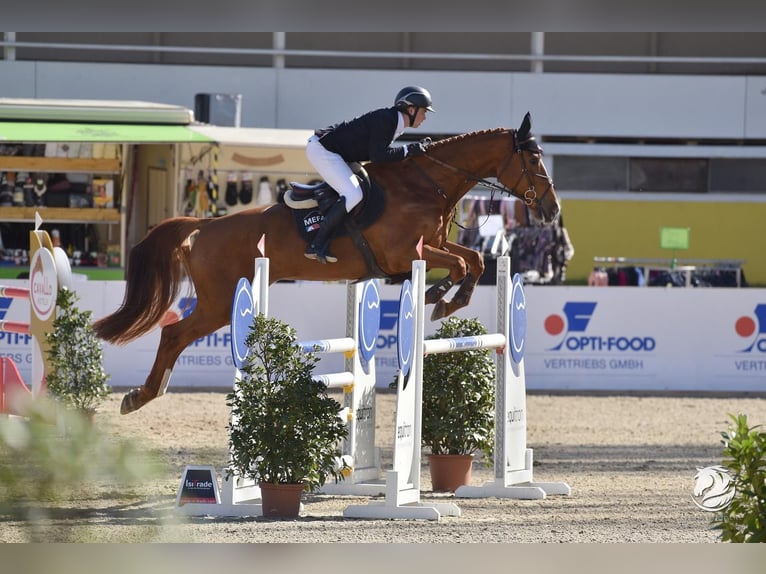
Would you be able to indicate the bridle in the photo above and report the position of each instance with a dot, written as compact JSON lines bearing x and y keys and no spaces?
{"x":529,"y":197}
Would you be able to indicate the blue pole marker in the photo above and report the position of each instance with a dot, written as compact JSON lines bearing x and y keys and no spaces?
{"x":405,"y":330}
{"x":241,"y":320}
{"x":518,"y":327}
{"x":369,"y":320}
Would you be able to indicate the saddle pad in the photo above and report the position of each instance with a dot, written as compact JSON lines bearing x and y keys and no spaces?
{"x":308,"y":220}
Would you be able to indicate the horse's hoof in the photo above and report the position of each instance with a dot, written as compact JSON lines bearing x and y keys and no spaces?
{"x":130,"y":402}
{"x":440,"y":310}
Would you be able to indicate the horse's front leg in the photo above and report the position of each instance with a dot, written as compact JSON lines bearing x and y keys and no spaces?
{"x":474,"y":262}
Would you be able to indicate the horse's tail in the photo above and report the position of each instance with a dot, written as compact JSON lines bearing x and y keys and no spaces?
{"x":154,"y":273}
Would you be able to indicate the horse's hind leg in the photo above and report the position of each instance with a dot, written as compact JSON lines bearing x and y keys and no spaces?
{"x":174,"y":339}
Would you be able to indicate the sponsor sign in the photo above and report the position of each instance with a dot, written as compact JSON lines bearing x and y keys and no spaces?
{"x":614,"y":338}
{"x":369,"y":320}
{"x":43,"y":284}
{"x":405,"y":333}
{"x":242,"y":309}
{"x":518,"y":314}
{"x":199,"y":486}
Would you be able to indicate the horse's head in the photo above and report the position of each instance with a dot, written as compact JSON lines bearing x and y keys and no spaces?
{"x":525,"y":175}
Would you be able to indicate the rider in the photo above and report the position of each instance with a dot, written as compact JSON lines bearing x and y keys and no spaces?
{"x":364,"y":138}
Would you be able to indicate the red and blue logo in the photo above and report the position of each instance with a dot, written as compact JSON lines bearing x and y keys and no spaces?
{"x":572,"y":327}
{"x":753,"y":328}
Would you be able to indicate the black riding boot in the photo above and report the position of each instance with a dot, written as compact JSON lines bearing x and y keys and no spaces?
{"x":319,"y":248}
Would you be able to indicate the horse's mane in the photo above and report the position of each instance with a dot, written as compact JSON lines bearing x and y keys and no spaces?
{"x":460,"y":137}
{"x":529,"y":143}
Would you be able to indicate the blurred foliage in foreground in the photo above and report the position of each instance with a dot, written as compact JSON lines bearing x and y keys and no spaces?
{"x":53,"y":458}
{"x":744,"y":518}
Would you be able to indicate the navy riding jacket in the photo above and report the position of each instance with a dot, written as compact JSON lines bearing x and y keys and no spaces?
{"x":365,"y":138}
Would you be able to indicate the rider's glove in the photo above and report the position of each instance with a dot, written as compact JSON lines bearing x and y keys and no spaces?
{"x":417,"y":148}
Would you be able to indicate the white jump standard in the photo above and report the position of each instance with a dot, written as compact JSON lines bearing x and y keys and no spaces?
{"x":513,"y":460}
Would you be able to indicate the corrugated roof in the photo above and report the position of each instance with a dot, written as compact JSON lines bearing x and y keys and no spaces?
{"x":106,"y":111}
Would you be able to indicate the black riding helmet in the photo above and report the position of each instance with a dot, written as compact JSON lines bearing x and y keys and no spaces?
{"x":413,"y":96}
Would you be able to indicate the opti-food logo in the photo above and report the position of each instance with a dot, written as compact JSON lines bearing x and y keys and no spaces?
{"x":753,"y":328}
{"x":572,"y":326}
{"x":389,"y":318}
{"x":5,"y":304}
{"x":7,"y":337}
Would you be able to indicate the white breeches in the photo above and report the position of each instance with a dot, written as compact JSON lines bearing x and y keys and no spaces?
{"x":335,"y":171}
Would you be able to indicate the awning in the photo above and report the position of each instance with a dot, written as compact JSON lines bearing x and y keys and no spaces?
{"x":254,"y":137}
{"x":29,"y":132}
{"x":89,"y":111}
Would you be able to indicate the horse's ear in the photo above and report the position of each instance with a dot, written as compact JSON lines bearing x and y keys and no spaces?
{"x":526,"y":126}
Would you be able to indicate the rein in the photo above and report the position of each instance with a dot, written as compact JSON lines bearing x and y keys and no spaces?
{"x":472,"y":177}
{"x":528,"y":197}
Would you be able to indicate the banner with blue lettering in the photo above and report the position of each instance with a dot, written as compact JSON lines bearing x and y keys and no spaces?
{"x":577,"y":338}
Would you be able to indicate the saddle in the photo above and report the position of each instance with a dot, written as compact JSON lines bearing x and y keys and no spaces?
{"x":319,"y":193}
{"x":310,"y":201}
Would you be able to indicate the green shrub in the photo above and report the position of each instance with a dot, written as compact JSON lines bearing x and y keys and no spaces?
{"x":77,"y":378}
{"x":459,"y":394}
{"x":285,"y":428}
{"x":744,"y":518}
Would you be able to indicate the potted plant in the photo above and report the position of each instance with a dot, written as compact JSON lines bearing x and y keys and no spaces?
{"x":285,"y":430}
{"x":76,"y":378}
{"x":458,"y":406}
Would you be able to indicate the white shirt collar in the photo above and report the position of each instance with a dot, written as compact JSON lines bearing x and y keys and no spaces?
{"x":399,"y":125}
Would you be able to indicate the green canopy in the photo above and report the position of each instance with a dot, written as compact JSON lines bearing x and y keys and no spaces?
{"x":25,"y":132}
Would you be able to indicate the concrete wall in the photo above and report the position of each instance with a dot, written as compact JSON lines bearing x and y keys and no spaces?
{"x":671,"y":106}
{"x":596,"y":105}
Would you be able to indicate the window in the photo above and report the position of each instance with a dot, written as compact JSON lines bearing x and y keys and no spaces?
{"x":673,"y":175}
{"x":738,"y":175}
{"x":583,"y":173}
{"x":668,"y":174}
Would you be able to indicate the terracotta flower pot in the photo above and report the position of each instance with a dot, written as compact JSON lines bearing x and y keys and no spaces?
{"x":448,"y":471}
{"x":281,"y":500}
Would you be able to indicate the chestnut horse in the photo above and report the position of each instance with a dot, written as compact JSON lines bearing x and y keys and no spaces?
{"x":421,"y":196}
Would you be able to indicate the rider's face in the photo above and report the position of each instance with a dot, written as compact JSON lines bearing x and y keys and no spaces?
{"x":419,"y":117}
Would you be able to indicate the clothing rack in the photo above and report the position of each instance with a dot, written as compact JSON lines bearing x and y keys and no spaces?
{"x":688,"y":268}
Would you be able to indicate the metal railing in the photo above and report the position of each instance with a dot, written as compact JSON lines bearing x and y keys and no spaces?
{"x":9,"y":46}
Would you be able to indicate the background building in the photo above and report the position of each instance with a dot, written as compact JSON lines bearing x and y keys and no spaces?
{"x":641,"y":130}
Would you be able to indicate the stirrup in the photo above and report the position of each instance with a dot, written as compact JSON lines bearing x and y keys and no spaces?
{"x":319,"y":254}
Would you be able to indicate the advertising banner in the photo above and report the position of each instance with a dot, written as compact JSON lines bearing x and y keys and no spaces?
{"x":578,"y":338}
